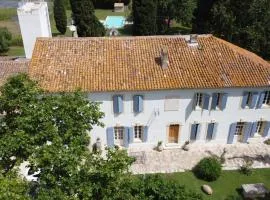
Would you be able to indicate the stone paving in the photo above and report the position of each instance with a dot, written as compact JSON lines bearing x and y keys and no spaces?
{"x":178,"y":160}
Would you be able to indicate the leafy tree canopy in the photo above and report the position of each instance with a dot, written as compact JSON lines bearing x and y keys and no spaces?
{"x":60,"y":16}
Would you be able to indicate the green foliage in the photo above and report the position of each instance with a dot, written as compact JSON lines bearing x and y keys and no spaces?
{"x":87,"y":23}
{"x":159,"y":188}
{"x":5,"y":40}
{"x":208,"y":169}
{"x":60,"y":16}
{"x":246,"y":168}
{"x":144,"y":17}
{"x":245,"y":23}
{"x":12,"y":187}
{"x":267,"y":142}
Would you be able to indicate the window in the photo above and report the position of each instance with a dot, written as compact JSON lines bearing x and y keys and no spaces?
{"x":199,"y":100}
{"x":138,"y":132}
{"x":171,"y":104}
{"x":118,"y":133}
{"x":239,"y":128}
{"x":266,"y":99}
{"x":210,"y":131}
{"x":195,"y":129}
{"x":259,"y":127}
{"x":249,"y":98}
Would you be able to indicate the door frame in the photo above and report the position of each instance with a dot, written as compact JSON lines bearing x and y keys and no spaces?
{"x":168,"y":132}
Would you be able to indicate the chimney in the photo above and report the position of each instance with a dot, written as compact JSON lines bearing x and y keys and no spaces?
{"x":193,"y":40}
{"x":164,"y":58}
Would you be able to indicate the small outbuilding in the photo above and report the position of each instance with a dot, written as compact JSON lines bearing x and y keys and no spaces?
{"x":119,"y":7}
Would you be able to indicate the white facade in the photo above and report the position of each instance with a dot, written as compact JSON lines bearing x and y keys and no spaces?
{"x":158,"y":120}
{"x":34,"y":22}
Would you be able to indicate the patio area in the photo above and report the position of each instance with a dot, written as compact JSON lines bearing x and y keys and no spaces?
{"x":178,"y":160}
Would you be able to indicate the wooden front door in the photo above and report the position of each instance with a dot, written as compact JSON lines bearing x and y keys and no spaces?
{"x":173,"y":133}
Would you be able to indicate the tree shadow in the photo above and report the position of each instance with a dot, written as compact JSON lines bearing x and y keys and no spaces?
{"x":265,"y":159}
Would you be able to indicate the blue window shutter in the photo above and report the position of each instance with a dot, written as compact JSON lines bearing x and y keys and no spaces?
{"x":145,"y":134}
{"x":254,"y":99}
{"x":126,"y":136}
{"x":198,"y":132}
{"x":137,"y":103}
{"x":253,"y":129}
{"x":215,"y":131}
{"x":266,"y":129}
{"x":193,"y":132}
{"x":140,"y":103}
{"x":259,"y":105}
{"x":194,"y":101}
{"x":231,"y":133}
{"x":214,"y":101}
{"x":131,"y":134}
{"x":224,"y":101}
{"x":244,"y":100}
{"x":247,"y":131}
{"x":110,"y":137}
{"x":206,"y":99}
{"x":115,"y":104}
{"x":210,"y":131}
{"x":120,"y":103}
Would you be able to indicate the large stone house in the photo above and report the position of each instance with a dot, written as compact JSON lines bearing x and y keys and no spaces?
{"x":162,"y":88}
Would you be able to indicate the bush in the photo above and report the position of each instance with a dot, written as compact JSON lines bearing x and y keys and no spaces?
{"x":208,"y":169}
{"x":246,"y":168}
{"x":5,"y":40}
{"x":267,"y":142}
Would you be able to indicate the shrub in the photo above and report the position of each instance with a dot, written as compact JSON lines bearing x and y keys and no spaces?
{"x":5,"y":40}
{"x":208,"y":169}
{"x":246,"y":168}
{"x":267,"y":142}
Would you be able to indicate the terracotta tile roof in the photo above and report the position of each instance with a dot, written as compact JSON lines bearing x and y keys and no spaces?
{"x":9,"y":68}
{"x":133,"y":63}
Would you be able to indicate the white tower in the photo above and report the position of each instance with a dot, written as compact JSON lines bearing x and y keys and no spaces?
{"x":34,"y":22}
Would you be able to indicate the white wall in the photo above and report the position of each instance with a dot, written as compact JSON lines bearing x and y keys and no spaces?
{"x":158,"y":128}
{"x":34,"y":22}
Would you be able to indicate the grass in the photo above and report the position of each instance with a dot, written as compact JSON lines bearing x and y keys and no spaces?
{"x":7,"y":13}
{"x":227,"y":185}
{"x":15,"y":51}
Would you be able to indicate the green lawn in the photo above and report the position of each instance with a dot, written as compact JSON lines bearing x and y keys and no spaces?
{"x":227,"y":185}
{"x":15,"y":51}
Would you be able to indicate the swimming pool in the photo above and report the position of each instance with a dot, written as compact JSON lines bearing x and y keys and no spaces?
{"x":114,"y":22}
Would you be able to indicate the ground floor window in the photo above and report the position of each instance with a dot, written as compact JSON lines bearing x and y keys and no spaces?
{"x":118,"y":135}
{"x":239,"y":128}
{"x":138,"y":133}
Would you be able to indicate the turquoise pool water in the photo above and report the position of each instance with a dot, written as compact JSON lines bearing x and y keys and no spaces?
{"x":114,"y":21}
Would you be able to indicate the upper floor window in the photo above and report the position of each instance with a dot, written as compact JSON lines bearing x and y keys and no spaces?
{"x":138,"y":133}
{"x":219,"y":101}
{"x":201,"y":101}
{"x":249,"y":99}
{"x":171,"y":104}
{"x":117,"y":104}
{"x":266,"y":99}
{"x":137,"y":103}
{"x":259,"y":127}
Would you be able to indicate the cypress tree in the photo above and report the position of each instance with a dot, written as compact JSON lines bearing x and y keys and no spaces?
{"x":85,"y":20}
{"x":60,"y":16}
{"x":144,"y":16}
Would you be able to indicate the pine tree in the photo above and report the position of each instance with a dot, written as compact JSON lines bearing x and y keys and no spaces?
{"x":60,"y":16}
{"x":84,"y":17}
{"x":144,"y":16}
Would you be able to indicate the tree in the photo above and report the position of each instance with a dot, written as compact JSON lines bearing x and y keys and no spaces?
{"x":244,"y":23}
{"x":60,"y":16}
{"x":144,"y":17}
{"x":84,"y":17}
{"x":5,"y":40}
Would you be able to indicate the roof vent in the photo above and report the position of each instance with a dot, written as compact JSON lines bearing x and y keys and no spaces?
{"x":164,"y":58}
{"x":193,"y":40}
